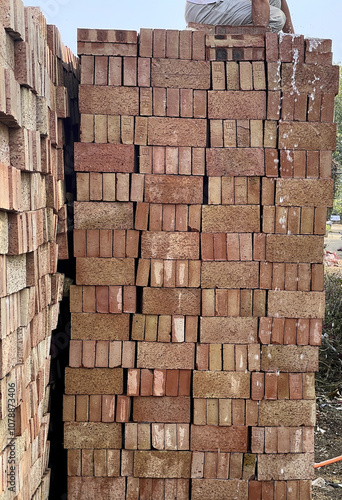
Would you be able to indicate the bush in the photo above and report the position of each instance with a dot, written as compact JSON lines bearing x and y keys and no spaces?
{"x":330,"y":373}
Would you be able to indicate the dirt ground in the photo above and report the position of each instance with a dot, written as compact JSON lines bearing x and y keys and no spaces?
{"x":328,"y":432}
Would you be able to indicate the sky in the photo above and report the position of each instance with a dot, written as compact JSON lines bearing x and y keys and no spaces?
{"x":311,"y":18}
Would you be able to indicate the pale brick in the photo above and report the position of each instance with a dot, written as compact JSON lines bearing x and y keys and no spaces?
{"x":231,"y":218}
{"x":173,"y":189}
{"x":305,"y":192}
{"x":89,"y":488}
{"x":95,"y":435}
{"x":161,"y":409}
{"x":287,"y":413}
{"x":221,"y":439}
{"x":237,"y":105}
{"x":287,"y":467}
{"x":230,"y":275}
{"x":108,"y":100}
{"x":166,"y":356}
{"x":221,"y":385}
{"x":162,"y":464}
{"x":307,"y":135}
{"x":103,"y":215}
{"x":93,"y":380}
{"x":289,"y":358}
{"x":179,"y":301}
{"x":235,"y":162}
{"x":95,"y":271}
{"x":218,"y":489}
{"x":289,"y":248}
{"x":173,"y":73}
{"x":166,"y":245}
{"x":229,"y":330}
{"x":177,"y":132}
{"x":99,"y":326}
{"x":310,"y":79}
{"x":283,"y":304}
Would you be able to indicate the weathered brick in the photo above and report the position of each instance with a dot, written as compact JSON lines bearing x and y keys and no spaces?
{"x":167,"y":245}
{"x":108,"y":100}
{"x":285,"y":467}
{"x":173,"y":73}
{"x":94,"y":435}
{"x":166,"y":356}
{"x":237,"y":105}
{"x":307,"y":135}
{"x":161,"y":409}
{"x":283,"y":304}
{"x":93,"y":380}
{"x":173,"y":189}
{"x":182,"y":301}
{"x":287,"y":413}
{"x":103,"y":215}
{"x":177,"y":132}
{"x":104,"y":157}
{"x":219,"y":489}
{"x":305,"y":192}
{"x":231,"y":218}
{"x":229,"y":330}
{"x":162,"y":464}
{"x":289,"y":358}
{"x":235,"y":161}
{"x":309,"y":79}
{"x":99,"y":326}
{"x":88,"y":488}
{"x":230,"y":275}
{"x":289,"y":248}
{"x":94,"y":271}
{"x":221,"y":439}
{"x":221,"y":385}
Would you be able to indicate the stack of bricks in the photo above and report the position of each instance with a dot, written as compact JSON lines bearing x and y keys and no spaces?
{"x":33,"y":106}
{"x":203,"y":178}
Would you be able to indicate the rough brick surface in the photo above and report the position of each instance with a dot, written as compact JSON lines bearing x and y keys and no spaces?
{"x":288,"y":358}
{"x":170,"y":189}
{"x":305,"y":192}
{"x":217,"y":489}
{"x":162,"y":464}
{"x":90,"y":487}
{"x":100,"y":326}
{"x":287,"y":413}
{"x":231,"y":219}
{"x":166,"y":356}
{"x":284,"y":467}
{"x":235,"y":161}
{"x":162,"y":409}
{"x":239,"y":105}
{"x":229,"y":330}
{"x":212,"y":438}
{"x":285,"y":304}
{"x":103,"y":215}
{"x":177,"y":132}
{"x":230,"y":275}
{"x":221,"y":385}
{"x":173,"y":73}
{"x":162,"y":245}
{"x":93,"y":381}
{"x":104,"y":157}
{"x":310,"y":136}
{"x":95,"y":271}
{"x":295,"y":249}
{"x":171,"y":301}
{"x":103,"y":100}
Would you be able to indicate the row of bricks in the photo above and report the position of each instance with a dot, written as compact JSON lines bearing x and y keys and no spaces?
{"x":10,"y":179}
{"x":192,"y":161}
{"x":119,"y":243}
{"x":273,"y":385}
{"x":103,"y":299}
{"x":282,"y":440}
{"x":168,"y":489}
{"x":290,"y":331}
{"x":132,"y":71}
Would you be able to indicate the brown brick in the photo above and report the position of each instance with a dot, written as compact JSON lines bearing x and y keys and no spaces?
{"x":177,"y":132}
{"x":287,"y":413}
{"x":229,"y":330}
{"x":162,"y":464}
{"x":92,"y":487}
{"x":181,"y":301}
{"x":180,"y":74}
{"x":284,"y":467}
{"x":232,"y":219}
{"x":305,"y":135}
{"x":109,"y":100}
{"x":166,"y":245}
{"x":173,"y":189}
{"x":217,"y":489}
{"x":235,"y":161}
{"x":240,"y":105}
{"x":94,"y":435}
{"x":103,"y":215}
{"x":100,"y":326}
{"x":161,"y":409}
{"x":230,"y":275}
{"x":222,"y":439}
{"x":166,"y":356}
{"x":296,"y":304}
{"x":93,"y":271}
{"x":289,"y":248}
{"x":93,"y":381}
{"x":221,"y":385}
{"x":308,"y":78}
{"x":305,"y":192}
{"x":104,"y":157}
{"x":288,"y":358}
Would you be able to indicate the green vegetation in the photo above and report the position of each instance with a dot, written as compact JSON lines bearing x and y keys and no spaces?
{"x":337,"y":164}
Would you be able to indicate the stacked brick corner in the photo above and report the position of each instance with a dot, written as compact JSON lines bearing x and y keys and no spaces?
{"x":34,"y":106}
{"x":203,"y":180}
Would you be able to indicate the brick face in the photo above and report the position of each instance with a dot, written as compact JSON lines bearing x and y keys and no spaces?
{"x":180,"y":74}
{"x":239,"y":161}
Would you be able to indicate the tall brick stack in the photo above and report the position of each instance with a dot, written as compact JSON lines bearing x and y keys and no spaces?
{"x":203,"y":178}
{"x":33,"y":105}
